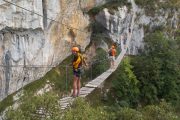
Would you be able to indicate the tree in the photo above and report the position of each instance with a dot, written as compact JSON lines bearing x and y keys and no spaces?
{"x":125,"y":84}
{"x":157,"y":69}
{"x":81,"y":110}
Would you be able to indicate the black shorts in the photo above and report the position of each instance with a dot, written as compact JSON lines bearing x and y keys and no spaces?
{"x":77,"y":72}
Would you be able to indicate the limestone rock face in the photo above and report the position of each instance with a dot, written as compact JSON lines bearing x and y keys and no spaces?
{"x":144,"y":24}
{"x":31,"y":41}
{"x":117,"y":24}
{"x":15,"y":17}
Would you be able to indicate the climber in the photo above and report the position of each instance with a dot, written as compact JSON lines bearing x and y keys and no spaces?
{"x":112,"y":54}
{"x":77,"y":62}
{"x":129,"y":30}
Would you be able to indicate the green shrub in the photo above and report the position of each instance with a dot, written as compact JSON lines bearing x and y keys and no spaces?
{"x":6,"y":102}
{"x":157,"y":69}
{"x":30,"y":104}
{"x":151,"y":6}
{"x":125,"y":84}
{"x":81,"y":110}
{"x":161,"y":112}
{"x":129,"y":114}
{"x":148,"y":5}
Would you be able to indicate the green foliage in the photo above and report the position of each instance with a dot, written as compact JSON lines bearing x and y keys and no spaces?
{"x":173,"y":4}
{"x":161,"y":112}
{"x":125,"y":84}
{"x":177,"y":108}
{"x":151,"y":6}
{"x":144,"y":3}
{"x":28,"y":109}
{"x":81,"y":110}
{"x":158,"y":69}
{"x":148,"y":5}
{"x":129,"y":114}
{"x":6,"y":102}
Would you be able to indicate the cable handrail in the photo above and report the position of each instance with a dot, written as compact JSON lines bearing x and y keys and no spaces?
{"x":50,"y":66}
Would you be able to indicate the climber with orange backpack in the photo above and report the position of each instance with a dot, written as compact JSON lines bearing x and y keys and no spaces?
{"x":77,"y":62}
{"x":112,"y":54}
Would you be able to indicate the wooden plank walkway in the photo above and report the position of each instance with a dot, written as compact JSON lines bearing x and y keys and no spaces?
{"x":89,"y":87}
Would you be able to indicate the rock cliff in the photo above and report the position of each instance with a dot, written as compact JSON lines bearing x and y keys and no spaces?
{"x":117,"y":21}
{"x":36,"y":36}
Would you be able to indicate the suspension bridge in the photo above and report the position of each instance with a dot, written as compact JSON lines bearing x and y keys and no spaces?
{"x":92,"y":85}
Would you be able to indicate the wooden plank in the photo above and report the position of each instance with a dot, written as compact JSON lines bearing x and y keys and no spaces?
{"x":91,"y":85}
{"x":99,"y":79}
{"x":86,"y":88}
{"x":96,"y":82}
{"x":103,"y":77}
{"x":82,"y":95}
{"x":90,"y":89}
{"x":85,"y":92}
{"x":65,"y":98}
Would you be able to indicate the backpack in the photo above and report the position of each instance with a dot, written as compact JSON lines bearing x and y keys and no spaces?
{"x":77,"y":62}
{"x":110,"y":52}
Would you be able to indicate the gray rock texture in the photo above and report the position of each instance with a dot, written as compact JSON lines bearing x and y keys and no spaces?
{"x":117,"y":24}
{"x":31,"y":41}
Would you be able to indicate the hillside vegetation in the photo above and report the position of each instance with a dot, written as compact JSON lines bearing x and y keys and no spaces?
{"x":144,"y":87}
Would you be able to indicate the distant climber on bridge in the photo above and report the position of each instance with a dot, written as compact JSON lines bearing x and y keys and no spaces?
{"x":129,"y":30}
{"x":77,"y":62}
{"x":112,"y":54}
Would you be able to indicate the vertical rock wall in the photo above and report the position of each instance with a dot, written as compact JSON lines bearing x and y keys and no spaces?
{"x":117,"y":24}
{"x":41,"y":37}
